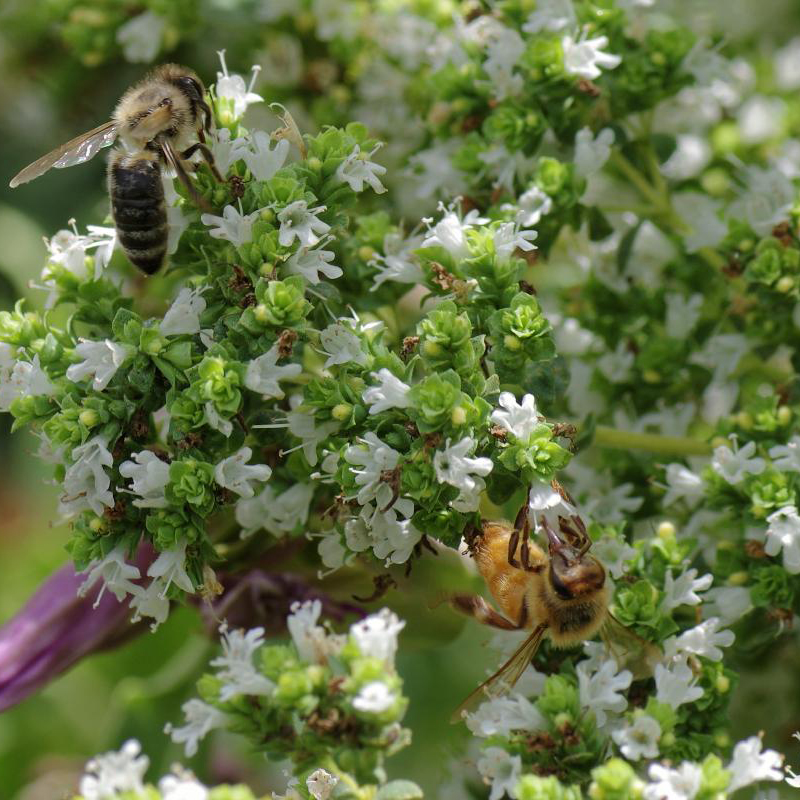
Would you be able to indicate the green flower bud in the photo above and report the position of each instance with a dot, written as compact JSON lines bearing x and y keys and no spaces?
{"x":191,"y":481}
{"x":218,"y":382}
{"x":282,"y":303}
{"x":615,"y":780}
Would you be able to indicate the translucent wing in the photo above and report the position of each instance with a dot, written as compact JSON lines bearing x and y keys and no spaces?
{"x":75,"y":151}
{"x":629,"y":649}
{"x":176,"y":163}
{"x":506,"y":677}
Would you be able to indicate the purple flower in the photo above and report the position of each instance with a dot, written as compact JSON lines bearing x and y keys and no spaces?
{"x":56,"y":628}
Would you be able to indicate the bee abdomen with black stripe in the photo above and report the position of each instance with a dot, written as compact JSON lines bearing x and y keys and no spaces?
{"x":138,"y":208}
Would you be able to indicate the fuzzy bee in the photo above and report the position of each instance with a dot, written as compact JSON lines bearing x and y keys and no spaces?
{"x":560,"y":594}
{"x":161,"y":121}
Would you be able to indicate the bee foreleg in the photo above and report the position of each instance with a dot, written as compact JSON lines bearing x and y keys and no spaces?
{"x":520,"y":523}
{"x":475,"y":606}
{"x":205,"y":151}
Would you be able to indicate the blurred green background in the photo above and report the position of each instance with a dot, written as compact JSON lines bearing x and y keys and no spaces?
{"x":62,"y":72}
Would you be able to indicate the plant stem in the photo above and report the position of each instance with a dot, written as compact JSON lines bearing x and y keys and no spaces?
{"x":605,"y":436}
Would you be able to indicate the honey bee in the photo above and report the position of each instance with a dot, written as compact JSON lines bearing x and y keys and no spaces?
{"x":560,"y":594}
{"x":161,"y":121}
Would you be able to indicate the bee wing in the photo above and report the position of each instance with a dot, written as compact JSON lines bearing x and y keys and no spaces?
{"x":629,"y":649}
{"x":75,"y":151}
{"x":176,"y":162}
{"x":506,"y":677}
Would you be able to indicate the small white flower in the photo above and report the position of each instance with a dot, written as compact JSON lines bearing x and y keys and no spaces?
{"x":227,"y":151}
{"x":599,"y":689}
{"x":783,"y":533}
{"x":452,"y":465}
{"x":140,"y":37}
{"x":298,"y":221}
{"x":357,"y":170}
{"x":766,"y":199}
{"x":341,"y":345}
{"x":332,"y":552}
{"x":394,"y":539}
{"x":689,"y":158}
{"x":735,"y":464}
{"x":760,"y":118}
{"x":584,"y":57}
{"x":216,"y":421}
{"x":699,"y":215}
{"x":551,"y":16}
{"x":302,"y":425}
{"x":673,"y":784}
{"x":434,"y":173}
{"x":201,"y":718}
{"x":86,"y":484}
{"x":683,"y":314}
{"x":183,"y":316}
{"x":787,"y":65}
{"x":374,"y":460}
{"x":235,"y":474}
{"x":151,"y":602}
{"x":501,"y":771}
{"x":786,"y":457}
{"x":112,"y":773}
{"x":750,"y":764}
{"x":639,"y":740}
{"x":21,"y":379}
{"x":504,"y":49}
{"x":703,"y":640}
{"x":501,"y":715}
{"x":277,"y":513}
{"x":398,"y":262}
{"x":233,"y":88}
{"x":683,"y":591}
{"x":170,"y":567}
{"x":100,"y":361}
{"x":729,"y":603}
{"x":263,"y":374}
{"x":310,"y":263}
{"x":507,"y":237}
{"x":235,"y":666}
{"x":117,"y":576}
{"x":391,"y":393}
{"x":450,"y":232}
{"x":376,"y":635}
{"x":182,"y":787}
{"x":374,"y":698}
{"x":592,"y":152}
{"x":722,"y":353}
{"x":312,"y":642}
{"x":321,"y":784}
{"x":676,"y":684}
{"x":232,"y":226}
{"x":613,"y":551}
{"x":149,"y":476}
{"x":262,"y":160}
{"x":520,"y":419}
{"x":617,"y":365}
{"x":533,"y":204}
{"x":683,"y":484}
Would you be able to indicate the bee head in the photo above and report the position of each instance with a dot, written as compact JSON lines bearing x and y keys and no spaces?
{"x":573,"y":574}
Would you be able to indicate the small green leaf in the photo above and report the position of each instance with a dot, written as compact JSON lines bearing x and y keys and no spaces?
{"x":399,"y":790}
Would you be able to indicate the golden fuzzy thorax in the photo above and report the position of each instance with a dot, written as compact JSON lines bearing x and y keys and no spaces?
{"x":156,"y":105}
{"x":530,"y":596}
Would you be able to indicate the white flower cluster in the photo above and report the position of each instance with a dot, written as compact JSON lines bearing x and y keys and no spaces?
{"x":375,"y":636}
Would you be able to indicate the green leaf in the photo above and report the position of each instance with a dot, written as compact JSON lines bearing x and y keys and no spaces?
{"x":399,"y":790}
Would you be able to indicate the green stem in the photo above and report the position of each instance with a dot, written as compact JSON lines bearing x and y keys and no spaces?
{"x":637,"y":179}
{"x":652,"y":442}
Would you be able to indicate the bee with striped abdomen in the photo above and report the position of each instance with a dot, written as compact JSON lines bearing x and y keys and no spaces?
{"x":161,"y":121}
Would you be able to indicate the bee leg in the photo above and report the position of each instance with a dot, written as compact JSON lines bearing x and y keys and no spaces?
{"x":474,"y":606}
{"x":525,"y":554}
{"x":207,"y":155}
{"x":513,"y":540}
